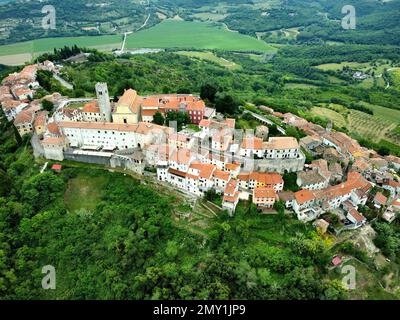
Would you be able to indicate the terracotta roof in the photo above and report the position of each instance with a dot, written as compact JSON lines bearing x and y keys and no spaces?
{"x":25,"y":116}
{"x":149,"y":113}
{"x":232,"y":166}
{"x":131,"y":100}
{"x":267,"y":178}
{"x":221,"y":175}
{"x":244,"y":176}
{"x":53,"y":141}
{"x":380,"y":198}
{"x":205,"y":170}
{"x":182,"y":156}
{"x":304,"y":196}
{"x":10,"y":104}
{"x":91,"y":107}
{"x":56,"y":167}
{"x":151,"y":102}
{"x":281,"y":143}
{"x":53,"y":128}
{"x":252,"y":143}
{"x":204,"y":123}
{"x":392,"y":183}
{"x":354,"y":181}
{"x":232,"y":199}
{"x":231,"y":187}
{"x":22,"y":91}
{"x":196,"y":106}
{"x":264,"y":193}
{"x":356,"y":215}
{"x":40,"y":120}
{"x":177,"y":173}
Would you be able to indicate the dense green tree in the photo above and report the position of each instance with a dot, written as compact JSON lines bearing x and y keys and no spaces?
{"x":158,"y":118}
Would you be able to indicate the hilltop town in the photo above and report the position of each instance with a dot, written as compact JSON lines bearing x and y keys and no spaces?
{"x":343,"y":178}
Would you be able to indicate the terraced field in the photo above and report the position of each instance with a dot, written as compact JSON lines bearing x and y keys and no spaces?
{"x":371,"y":127}
{"x":379,"y":126}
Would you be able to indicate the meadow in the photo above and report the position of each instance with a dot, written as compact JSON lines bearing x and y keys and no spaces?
{"x":186,"y":35}
{"x":209,"y":56}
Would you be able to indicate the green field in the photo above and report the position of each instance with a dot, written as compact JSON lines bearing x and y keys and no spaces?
{"x":48,"y":44}
{"x":337,"y":118}
{"x":339,"y":66}
{"x":209,"y":56}
{"x":184,"y":34}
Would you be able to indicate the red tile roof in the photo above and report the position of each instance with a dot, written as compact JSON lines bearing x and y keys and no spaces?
{"x":264,"y":193}
{"x":304,"y":196}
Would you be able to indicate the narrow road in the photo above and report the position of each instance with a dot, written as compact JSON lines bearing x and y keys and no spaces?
{"x":265,"y":120}
{"x":130,"y":32}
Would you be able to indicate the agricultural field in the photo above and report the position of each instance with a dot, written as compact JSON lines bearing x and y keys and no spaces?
{"x":26,"y":49}
{"x":371,"y":127}
{"x":337,"y":118}
{"x":209,"y":56}
{"x":184,"y":34}
{"x":340,"y":66}
{"x":379,"y":126}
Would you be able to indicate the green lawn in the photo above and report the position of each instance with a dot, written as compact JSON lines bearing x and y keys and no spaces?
{"x":199,"y":35}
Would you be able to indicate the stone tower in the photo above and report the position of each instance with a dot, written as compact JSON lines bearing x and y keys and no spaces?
{"x":104,"y":100}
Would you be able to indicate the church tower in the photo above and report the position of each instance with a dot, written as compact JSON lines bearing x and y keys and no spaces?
{"x":104,"y":100}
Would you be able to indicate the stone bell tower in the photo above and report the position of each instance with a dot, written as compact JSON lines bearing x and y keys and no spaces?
{"x":104,"y":100}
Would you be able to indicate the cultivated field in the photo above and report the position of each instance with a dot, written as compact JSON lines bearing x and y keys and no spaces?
{"x":106,"y":43}
{"x":376,"y":127}
{"x":187,"y":35}
{"x":337,"y":118}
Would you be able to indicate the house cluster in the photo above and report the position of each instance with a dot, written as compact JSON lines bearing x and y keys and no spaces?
{"x":16,"y":98}
{"x":324,"y":183}
{"x":227,"y":160}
